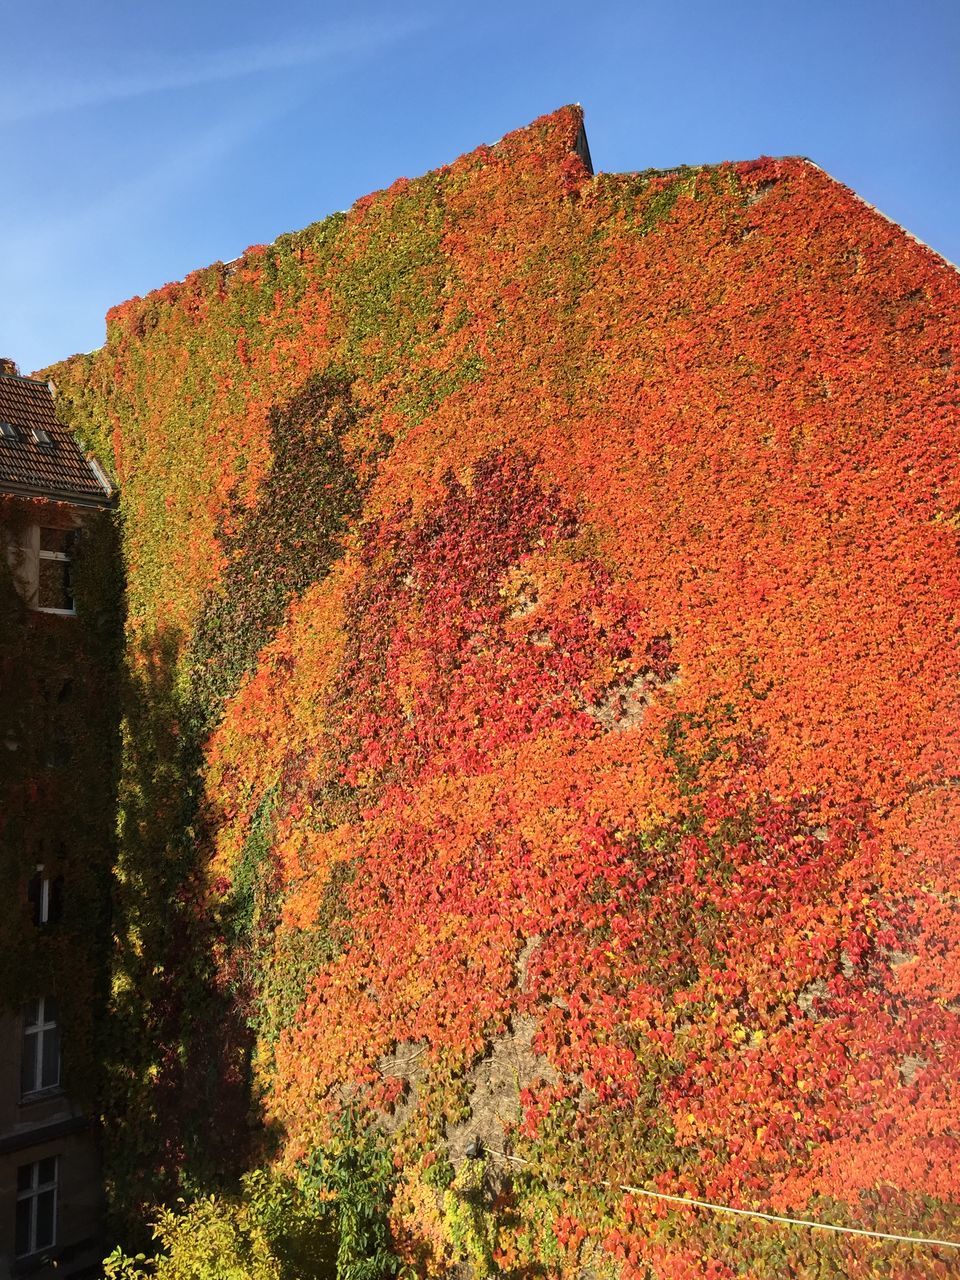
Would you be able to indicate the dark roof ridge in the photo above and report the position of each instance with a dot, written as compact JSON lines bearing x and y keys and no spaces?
{"x":26,"y":377}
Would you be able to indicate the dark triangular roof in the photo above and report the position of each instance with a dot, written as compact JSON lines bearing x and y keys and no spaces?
{"x":40,"y":457}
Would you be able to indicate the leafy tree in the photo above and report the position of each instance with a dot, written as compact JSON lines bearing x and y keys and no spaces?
{"x":270,"y":1231}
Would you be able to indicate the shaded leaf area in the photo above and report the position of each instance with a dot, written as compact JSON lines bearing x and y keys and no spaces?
{"x":177,"y":1058}
{"x":288,"y":540}
{"x":180,"y":1117}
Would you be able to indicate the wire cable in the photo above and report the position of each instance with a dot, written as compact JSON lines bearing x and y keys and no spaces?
{"x":757,"y":1213}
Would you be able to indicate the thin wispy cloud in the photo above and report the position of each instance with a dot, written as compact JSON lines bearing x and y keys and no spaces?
{"x":58,"y":256}
{"x":167,"y":177}
{"x":27,"y":98}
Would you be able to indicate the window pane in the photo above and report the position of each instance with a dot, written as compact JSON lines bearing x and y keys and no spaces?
{"x":22,"y":1242}
{"x":31,"y":1013}
{"x":54,"y":585}
{"x":35,"y":896}
{"x":28,"y":1064}
{"x":25,"y":1176}
{"x":49,"y":1009}
{"x":47,"y":1171}
{"x":46,"y":1206}
{"x":50,"y":1068}
{"x":57,"y":540}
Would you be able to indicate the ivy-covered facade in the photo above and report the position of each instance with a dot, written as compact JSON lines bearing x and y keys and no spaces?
{"x":540,"y":729}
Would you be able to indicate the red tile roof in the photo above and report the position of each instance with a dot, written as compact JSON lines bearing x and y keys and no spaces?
{"x":27,"y":465}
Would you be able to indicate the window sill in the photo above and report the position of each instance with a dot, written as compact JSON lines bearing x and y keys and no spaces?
{"x":60,"y":613}
{"x":41,"y":1095}
{"x":28,"y":1264}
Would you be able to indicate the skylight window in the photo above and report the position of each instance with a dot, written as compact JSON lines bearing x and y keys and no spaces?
{"x":8,"y":431}
{"x":43,"y":438}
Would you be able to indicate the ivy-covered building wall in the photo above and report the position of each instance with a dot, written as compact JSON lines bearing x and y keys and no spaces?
{"x":541,"y":717}
{"x":58,"y":715}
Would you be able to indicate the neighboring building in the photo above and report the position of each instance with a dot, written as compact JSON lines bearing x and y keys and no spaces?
{"x":50,"y":1196}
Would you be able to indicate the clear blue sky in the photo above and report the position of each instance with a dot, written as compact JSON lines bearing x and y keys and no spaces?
{"x":142,"y":140}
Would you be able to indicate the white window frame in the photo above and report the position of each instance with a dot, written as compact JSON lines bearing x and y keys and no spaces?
{"x":43,"y":906}
{"x":41,"y":1029}
{"x":33,"y":1194}
{"x":59,"y":557}
{"x":45,"y":893}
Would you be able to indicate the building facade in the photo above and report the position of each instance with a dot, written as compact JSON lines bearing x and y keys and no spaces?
{"x":55,"y":718}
